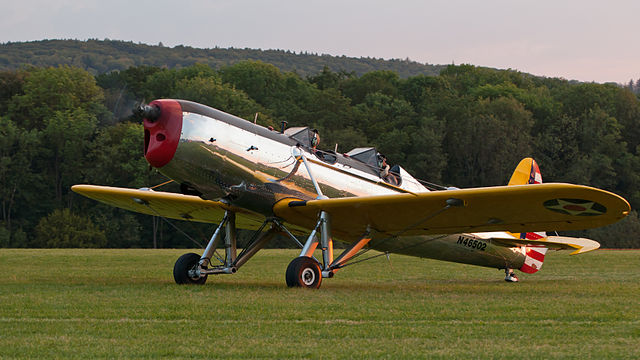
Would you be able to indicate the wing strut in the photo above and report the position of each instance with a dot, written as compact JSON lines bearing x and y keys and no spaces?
{"x":297,"y":153}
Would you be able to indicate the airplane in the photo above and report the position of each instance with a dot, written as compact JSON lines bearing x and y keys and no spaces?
{"x":240,"y":175}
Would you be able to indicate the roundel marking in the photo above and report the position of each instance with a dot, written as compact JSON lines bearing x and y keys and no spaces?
{"x":575,"y":207}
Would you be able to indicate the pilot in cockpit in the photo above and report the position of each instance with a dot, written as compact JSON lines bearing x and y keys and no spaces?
{"x":315,"y":140}
{"x":384,"y":167}
{"x":387,"y":176}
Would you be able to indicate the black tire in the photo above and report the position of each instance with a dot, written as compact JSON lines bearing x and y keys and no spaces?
{"x":304,"y":272}
{"x":181,"y":269}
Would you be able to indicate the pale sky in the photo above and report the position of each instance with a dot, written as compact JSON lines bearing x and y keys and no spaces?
{"x":584,"y":40}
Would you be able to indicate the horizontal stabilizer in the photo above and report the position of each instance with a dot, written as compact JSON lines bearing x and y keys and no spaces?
{"x":580,"y":245}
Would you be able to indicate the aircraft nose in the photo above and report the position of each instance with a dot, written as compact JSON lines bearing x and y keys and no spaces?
{"x":162,"y":131}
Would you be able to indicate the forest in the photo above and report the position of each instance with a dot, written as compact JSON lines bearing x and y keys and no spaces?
{"x":466,"y":127}
{"x":103,"y":56}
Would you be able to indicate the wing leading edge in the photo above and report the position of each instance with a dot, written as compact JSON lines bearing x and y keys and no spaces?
{"x":524,"y":208}
{"x":169,"y":205}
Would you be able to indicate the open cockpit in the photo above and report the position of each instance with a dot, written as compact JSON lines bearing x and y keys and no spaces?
{"x":365,"y":159}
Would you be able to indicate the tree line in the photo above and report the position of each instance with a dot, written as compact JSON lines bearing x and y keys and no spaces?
{"x":634,"y":87}
{"x":467,"y":127}
{"x":103,"y":56}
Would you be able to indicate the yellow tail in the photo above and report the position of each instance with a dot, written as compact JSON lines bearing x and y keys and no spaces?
{"x":527,"y":172}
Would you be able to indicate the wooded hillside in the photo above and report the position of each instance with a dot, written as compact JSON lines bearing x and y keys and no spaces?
{"x":103,"y":56}
{"x":466,"y":127}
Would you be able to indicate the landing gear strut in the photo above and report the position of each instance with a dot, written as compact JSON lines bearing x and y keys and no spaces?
{"x":193,"y":269}
{"x":305,"y":271}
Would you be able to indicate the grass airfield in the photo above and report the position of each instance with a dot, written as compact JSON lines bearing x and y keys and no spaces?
{"x":101,"y":303}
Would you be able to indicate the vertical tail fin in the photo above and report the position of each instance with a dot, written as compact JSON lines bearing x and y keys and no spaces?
{"x":528,"y":172}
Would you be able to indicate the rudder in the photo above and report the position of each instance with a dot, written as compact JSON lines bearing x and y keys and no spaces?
{"x":528,"y":172}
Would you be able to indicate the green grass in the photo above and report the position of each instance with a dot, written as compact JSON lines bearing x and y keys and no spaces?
{"x":123,"y":304}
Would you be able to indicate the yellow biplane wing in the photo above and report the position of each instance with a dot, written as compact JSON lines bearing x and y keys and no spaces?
{"x":521,"y":208}
{"x":169,"y":205}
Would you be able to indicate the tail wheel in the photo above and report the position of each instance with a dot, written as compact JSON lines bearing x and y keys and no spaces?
{"x":304,"y":272}
{"x":183,"y":270}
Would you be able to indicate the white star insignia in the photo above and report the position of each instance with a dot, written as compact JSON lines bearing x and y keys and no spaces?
{"x":575,"y":209}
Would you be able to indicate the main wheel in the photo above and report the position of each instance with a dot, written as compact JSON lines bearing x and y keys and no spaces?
{"x":181,"y":269}
{"x":304,"y":272}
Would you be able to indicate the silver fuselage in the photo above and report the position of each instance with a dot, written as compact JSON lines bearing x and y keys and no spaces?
{"x":225,"y":157}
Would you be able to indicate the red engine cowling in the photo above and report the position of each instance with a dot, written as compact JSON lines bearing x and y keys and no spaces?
{"x":162,"y":135}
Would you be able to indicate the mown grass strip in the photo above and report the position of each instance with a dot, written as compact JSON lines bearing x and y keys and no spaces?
{"x":123,"y":303}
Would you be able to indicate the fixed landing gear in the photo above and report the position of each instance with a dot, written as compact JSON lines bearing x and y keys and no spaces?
{"x":185,"y":271}
{"x":510,"y":276}
{"x":193,"y":269}
{"x":304,"y":272}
